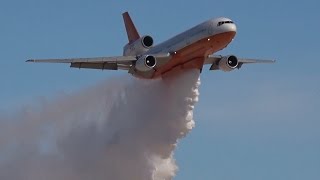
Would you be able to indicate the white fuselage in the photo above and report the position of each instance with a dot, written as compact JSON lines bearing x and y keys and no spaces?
{"x":202,"y":31}
{"x":194,"y":45}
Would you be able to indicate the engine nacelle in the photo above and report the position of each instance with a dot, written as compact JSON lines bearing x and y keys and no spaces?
{"x":138,"y":47}
{"x":228,"y":63}
{"x":145,"y":63}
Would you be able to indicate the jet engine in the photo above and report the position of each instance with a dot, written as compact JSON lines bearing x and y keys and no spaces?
{"x":138,"y":47}
{"x":145,"y":63}
{"x":228,"y":63}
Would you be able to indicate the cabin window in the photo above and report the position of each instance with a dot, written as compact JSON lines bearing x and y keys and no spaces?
{"x":224,"y":22}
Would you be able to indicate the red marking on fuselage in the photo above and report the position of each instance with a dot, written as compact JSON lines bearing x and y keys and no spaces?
{"x":193,"y":56}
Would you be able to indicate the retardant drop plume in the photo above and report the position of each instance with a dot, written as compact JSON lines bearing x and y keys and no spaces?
{"x":124,"y":129}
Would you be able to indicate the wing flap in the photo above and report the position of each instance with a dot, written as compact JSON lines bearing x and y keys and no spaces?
{"x":87,"y":65}
{"x":244,"y":61}
{"x":115,"y":59}
{"x":110,"y":63}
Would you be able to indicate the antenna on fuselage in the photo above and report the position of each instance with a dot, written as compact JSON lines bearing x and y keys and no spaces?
{"x":132,"y":32}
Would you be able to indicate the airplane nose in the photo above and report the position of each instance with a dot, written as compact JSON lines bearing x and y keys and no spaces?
{"x":225,"y":25}
{"x":230,"y":28}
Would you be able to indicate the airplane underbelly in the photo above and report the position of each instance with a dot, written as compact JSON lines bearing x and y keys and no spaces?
{"x":193,"y":56}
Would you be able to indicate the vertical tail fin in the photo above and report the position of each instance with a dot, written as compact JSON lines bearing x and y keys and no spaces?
{"x":130,"y":28}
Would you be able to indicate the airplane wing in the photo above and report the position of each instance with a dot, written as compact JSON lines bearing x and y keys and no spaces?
{"x":214,"y":61}
{"x":111,"y":63}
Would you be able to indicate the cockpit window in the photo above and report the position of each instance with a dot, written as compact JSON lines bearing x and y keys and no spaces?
{"x":224,"y":22}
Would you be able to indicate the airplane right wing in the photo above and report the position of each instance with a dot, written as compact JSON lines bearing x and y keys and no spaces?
{"x":111,"y":63}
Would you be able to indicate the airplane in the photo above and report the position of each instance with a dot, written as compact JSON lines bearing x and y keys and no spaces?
{"x":191,"y":49}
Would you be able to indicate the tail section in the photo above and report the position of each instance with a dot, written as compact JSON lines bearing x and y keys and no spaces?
{"x":132,"y":32}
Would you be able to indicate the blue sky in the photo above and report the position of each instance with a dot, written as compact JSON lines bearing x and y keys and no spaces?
{"x":261,"y":122}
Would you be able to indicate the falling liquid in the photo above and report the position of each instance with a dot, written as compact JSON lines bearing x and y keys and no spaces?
{"x":119,"y":130}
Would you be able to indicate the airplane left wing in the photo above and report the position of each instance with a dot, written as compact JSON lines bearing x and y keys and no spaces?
{"x":111,"y":63}
{"x":214,"y":61}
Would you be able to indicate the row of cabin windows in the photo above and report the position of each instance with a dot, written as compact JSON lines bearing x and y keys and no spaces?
{"x":224,"y":22}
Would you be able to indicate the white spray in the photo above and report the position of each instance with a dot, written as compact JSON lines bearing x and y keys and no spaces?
{"x":125,"y":129}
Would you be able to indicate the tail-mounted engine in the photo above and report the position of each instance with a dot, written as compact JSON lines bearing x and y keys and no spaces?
{"x":138,"y":47}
